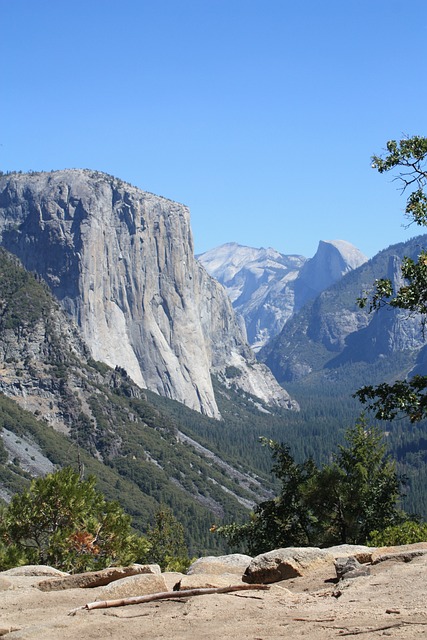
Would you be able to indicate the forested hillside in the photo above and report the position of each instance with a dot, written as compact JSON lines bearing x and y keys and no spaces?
{"x":331,"y":348}
{"x":59,"y":407}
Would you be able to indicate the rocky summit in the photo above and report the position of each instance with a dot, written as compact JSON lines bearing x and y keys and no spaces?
{"x":332,"y":330}
{"x":121,"y":262}
{"x":267,"y":287}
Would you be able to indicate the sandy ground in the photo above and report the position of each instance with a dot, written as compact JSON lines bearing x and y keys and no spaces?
{"x":392,"y":602}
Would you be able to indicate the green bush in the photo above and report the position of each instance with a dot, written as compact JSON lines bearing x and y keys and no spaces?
{"x":166,"y":539}
{"x":408,"y":532}
{"x":339,"y":503}
{"x":65,"y":522}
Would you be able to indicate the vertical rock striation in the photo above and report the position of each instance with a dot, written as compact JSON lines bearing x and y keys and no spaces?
{"x":121,"y":262}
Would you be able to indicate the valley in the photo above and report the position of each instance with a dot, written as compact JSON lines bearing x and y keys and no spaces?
{"x":122,"y":356}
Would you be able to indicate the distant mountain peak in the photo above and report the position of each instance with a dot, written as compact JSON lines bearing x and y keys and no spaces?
{"x":266,"y":287}
{"x":331,"y":330}
{"x":332,"y":260}
{"x":351,"y":254}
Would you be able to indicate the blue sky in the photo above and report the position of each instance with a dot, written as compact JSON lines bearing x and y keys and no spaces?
{"x":260,"y":115}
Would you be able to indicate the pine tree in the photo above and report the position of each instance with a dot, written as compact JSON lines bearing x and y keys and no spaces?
{"x":65,"y":522}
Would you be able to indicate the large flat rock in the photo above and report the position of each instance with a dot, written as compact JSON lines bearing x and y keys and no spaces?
{"x":360,"y":552}
{"x":291,"y":562}
{"x":34,"y":570}
{"x":97,"y":578}
{"x":402,"y":553}
{"x":236,"y":563}
{"x":206,"y":580}
{"x":140,"y":585}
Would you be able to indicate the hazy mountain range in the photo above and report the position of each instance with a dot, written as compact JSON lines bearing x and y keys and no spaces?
{"x":332,"y":331}
{"x":267,"y":287}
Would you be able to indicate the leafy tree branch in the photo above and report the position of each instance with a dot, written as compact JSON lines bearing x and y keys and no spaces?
{"x":404,"y":397}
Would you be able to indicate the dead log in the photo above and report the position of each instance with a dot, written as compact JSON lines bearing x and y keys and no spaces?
{"x":165,"y":595}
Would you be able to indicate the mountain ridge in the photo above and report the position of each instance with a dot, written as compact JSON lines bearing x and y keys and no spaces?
{"x":59,"y":407}
{"x":332,"y":329}
{"x":266,"y":287}
{"x":121,"y":262}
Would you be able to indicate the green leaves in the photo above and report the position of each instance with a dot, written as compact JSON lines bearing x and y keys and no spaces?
{"x":358,"y":492}
{"x":283,"y":520}
{"x":409,"y":154}
{"x":403,"y":397}
{"x":416,"y":207}
{"x":408,"y":397}
{"x":408,"y":532}
{"x":339,"y":503}
{"x":166,"y":542}
{"x":65,"y":522}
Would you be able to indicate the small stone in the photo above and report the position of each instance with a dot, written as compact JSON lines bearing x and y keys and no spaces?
{"x":350,"y":568}
{"x":5,"y":585}
{"x":392,"y":610}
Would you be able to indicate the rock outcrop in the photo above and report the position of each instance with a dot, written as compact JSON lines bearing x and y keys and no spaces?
{"x":91,"y":579}
{"x":390,"y":601}
{"x":333,"y":259}
{"x":121,"y":263}
{"x":283,"y":564}
{"x":138,"y":585}
{"x":349,"y":568}
{"x":260,"y":284}
{"x":235,"y":563}
{"x":401,"y":553}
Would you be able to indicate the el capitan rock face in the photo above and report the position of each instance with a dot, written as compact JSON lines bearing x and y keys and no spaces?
{"x":121,"y":262}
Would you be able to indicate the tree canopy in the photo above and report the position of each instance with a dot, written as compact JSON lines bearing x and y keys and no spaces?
{"x":341,"y":502}
{"x":167,"y":543}
{"x":408,"y":157}
{"x":63,"y":521}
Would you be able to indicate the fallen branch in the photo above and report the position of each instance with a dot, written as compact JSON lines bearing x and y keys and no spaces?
{"x":384,"y":628}
{"x":165,"y":595}
{"x":313,"y":619}
{"x":117,"y":615}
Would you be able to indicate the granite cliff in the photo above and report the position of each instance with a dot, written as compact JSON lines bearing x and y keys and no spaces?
{"x":59,"y":407}
{"x":121,"y":263}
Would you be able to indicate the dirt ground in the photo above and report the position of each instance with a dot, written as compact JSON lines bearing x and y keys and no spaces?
{"x":392,"y":602}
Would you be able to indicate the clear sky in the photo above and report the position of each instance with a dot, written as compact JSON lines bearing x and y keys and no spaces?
{"x":260,"y":115}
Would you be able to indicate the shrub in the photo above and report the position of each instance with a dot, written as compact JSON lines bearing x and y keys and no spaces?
{"x":339,"y":503}
{"x":166,"y":539}
{"x":65,"y":522}
{"x":408,"y":532}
